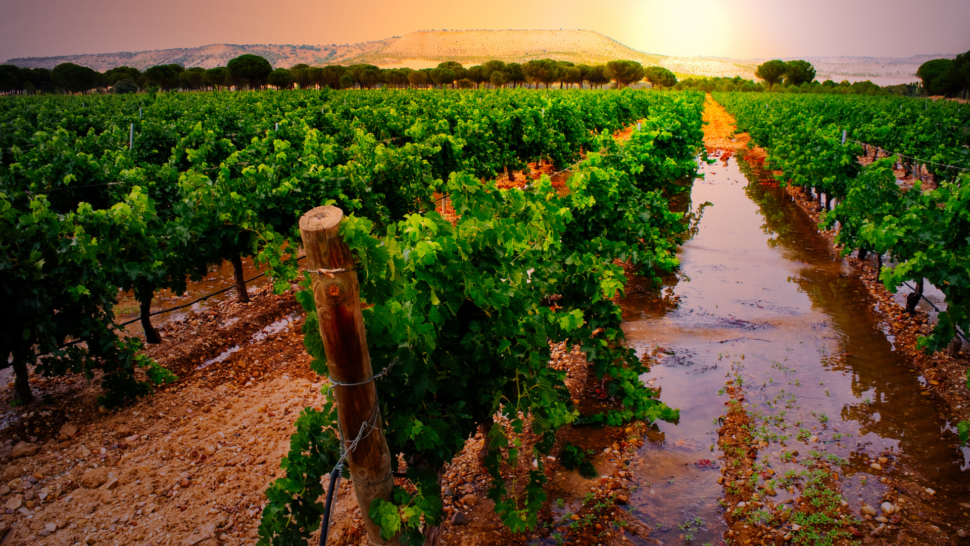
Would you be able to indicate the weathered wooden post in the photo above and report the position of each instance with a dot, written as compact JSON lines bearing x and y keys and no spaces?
{"x":337,"y":296}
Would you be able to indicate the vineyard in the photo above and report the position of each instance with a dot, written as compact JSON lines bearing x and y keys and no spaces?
{"x":815,"y":142}
{"x":141,"y":194}
{"x":547,"y":298}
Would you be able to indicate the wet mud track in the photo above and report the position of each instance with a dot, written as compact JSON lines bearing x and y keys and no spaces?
{"x":762,"y":302}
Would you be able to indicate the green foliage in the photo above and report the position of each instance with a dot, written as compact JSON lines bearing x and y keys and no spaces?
{"x":574,"y":458}
{"x":461,"y":307}
{"x":771,"y":71}
{"x":925,"y":232}
{"x":799,"y":72}
{"x":660,"y":76}
{"x":74,"y":78}
{"x":935,"y":76}
{"x":252,"y":69}
{"x":280,"y":78}
{"x":624,"y":72}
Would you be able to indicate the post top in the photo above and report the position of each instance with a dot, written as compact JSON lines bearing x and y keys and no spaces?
{"x":321,"y":219}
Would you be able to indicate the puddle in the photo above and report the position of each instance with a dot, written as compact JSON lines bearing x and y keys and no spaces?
{"x":222,"y":356}
{"x":761,"y":295}
{"x":275,"y":328}
{"x":220,"y":276}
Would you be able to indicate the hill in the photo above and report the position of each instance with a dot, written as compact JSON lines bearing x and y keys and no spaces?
{"x":424,"y":49}
{"x":421,"y":48}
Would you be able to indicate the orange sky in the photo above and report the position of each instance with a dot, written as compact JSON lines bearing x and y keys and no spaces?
{"x":739,"y":28}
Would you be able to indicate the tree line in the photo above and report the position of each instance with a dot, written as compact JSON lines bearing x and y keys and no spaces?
{"x":255,"y":72}
{"x":947,"y":77}
{"x":737,"y":83}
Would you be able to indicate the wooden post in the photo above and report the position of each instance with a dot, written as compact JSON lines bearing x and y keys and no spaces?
{"x":337,"y":297}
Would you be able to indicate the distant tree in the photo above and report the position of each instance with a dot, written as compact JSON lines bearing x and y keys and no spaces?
{"x":660,"y":77}
{"x":193,"y":78}
{"x":497,"y":79}
{"x":935,"y":76}
{"x":251,"y":69}
{"x":331,"y":76}
{"x":541,"y":71}
{"x":74,"y":78}
{"x":163,"y":76}
{"x":177,"y":68}
{"x":371,"y":77}
{"x":41,"y":78}
{"x":624,"y":72}
{"x":316,"y":76}
{"x":570,"y":75}
{"x":459,"y":70}
{"x":514,"y":75}
{"x":442,"y":76}
{"x":10,"y":78}
{"x":356,"y":71}
{"x":771,"y":71}
{"x":799,"y":72}
{"x":490,"y":67}
{"x":419,"y":78}
{"x":395,"y":77}
{"x":477,"y":75}
{"x":121,"y":73}
{"x":465,"y":83}
{"x":280,"y":78}
{"x":346,"y":81}
{"x":597,"y":76}
{"x":301,"y":76}
{"x":300,"y":66}
{"x":959,"y":73}
{"x":121,"y":87}
{"x":216,"y":77}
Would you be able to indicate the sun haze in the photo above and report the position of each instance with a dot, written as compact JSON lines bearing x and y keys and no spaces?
{"x":741,"y":29}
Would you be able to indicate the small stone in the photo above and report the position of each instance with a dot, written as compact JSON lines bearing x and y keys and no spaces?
{"x":741,"y":504}
{"x":4,"y":489}
{"x":875,"y":466}
{"x":132,"y":439}
{"x":930,"y":491}
{"x":469,"y":500}
{"x":14,"y":503}
{"x":622,"y":499}
{"x":85,"y":452}
{"x":936,"y":529}
{"x":868,"y":510}
{"x":883,"y":460}
{"x":879,"y":530}
{"x":962,"y":533}
{"x":185,"y":483}
{"x":574,"y":517}
{"x":887,"y":508}
{"x":796,"y":527}
{"x":458,"y":518}
{"x":32,"y":479}
{"x":51,"y":527}
{"x":882,"y":519}
{"x":94,"y":478}
{"x":67,"y":431}
{"x":23,"y":449}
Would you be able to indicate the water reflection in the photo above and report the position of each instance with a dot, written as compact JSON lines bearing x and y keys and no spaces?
{"x":762,"y":291}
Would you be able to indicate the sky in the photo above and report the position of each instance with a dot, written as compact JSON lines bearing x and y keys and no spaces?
{"x":739,"y":28}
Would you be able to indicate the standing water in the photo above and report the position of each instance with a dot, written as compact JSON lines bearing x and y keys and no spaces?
{"x":761,"y":295}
